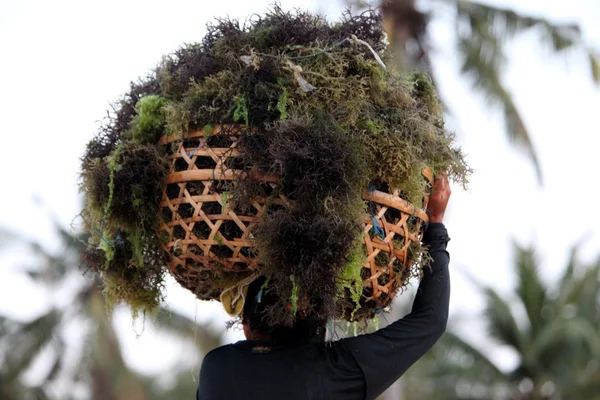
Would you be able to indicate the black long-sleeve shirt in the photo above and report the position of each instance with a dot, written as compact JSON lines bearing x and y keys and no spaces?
{"x":360,"y":367}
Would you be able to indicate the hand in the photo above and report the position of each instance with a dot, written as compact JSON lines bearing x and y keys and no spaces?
{"x":438,"y":200}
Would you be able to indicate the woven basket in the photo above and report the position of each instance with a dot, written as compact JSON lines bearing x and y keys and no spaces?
{"x":203,"y":236}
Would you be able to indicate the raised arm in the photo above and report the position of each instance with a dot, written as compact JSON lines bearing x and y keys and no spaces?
{"x":386,"y":354}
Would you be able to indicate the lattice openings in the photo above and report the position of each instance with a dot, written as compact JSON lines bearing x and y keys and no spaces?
{"x":201,"y":232}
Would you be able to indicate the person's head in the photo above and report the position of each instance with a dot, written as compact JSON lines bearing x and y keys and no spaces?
{"x":256,"y":326}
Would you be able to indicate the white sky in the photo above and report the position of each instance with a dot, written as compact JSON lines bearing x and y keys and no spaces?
{"x":62,"y":63}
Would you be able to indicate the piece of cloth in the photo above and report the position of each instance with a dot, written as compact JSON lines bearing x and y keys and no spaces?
{"x":360,"y":367}
{"x":233,"y":297}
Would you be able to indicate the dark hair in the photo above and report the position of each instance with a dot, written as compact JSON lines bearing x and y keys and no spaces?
{"x":259,"y":299}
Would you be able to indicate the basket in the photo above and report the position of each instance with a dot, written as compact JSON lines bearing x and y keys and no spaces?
{"x":203,"y":236}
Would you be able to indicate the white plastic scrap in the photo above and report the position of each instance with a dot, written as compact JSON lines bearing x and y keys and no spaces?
{"x":303,"y":83}
{"x":251,"y":60}
{"x":357,"y":40}
{"x":247,"y":60}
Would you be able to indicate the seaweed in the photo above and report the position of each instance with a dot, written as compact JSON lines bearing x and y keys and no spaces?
{"x":315,"y":107}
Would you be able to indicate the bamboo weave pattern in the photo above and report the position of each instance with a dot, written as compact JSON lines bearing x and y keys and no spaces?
{"x":203,"y":234}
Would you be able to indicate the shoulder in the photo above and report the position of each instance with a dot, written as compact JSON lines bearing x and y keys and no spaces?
{"x":217,"y":353}
{"x":340,"y":354}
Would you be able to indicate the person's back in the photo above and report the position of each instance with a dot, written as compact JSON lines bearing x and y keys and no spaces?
{"x":352,"y":368}
{"x":261,"y":370}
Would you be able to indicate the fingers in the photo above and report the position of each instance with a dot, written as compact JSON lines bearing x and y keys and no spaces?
{"x":438,"y":200}
{"x":440,"y":183}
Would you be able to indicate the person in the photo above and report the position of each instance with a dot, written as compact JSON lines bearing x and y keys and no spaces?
{"x":296,"y":363}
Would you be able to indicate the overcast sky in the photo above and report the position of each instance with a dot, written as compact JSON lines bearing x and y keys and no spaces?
{"x":62,"y":63}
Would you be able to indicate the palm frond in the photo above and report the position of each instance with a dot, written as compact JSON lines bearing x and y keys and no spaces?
{"x":53,"y":372}
{"x":547,"y":341}
{"x":501,"y":322}
{"x":47,"y":268}
{"x":481,"y":364}
{"x":101,"y":368}
{"x":581,"y":291}
{"x":5,"y":325}
{"x":572,"y":264}
{"x":506,"y":24}
{"x":483,"y":58}
{"x":583,"y":330}
{"x":26,"y":342}
{"x":530,"y":289}
{"x":454,"y":363}
{"x":588,"y":292}
{"x":498,"y":314}
{"x":482,"y":33}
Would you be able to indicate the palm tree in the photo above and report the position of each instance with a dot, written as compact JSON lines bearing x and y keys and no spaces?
{"x":557,"y":341}
{"x":482,"y":32}
{"x":99,"y":368}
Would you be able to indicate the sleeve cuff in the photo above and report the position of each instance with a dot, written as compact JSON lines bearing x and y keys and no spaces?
{"x":436,"y":235}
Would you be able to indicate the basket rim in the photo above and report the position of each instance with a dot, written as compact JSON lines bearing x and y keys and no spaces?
{"x":215,"y":130}
{"x":387,"y":199}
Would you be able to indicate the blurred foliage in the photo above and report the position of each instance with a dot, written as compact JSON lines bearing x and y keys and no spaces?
{"x":483,"y":33}
{"x":97,"y":368}
{"x":554,"y":331}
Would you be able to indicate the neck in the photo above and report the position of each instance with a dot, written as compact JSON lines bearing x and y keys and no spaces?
{"x":253,"y":335}
{"x":259,"y":336}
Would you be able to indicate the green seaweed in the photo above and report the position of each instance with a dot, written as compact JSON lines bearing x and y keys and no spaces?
{"x":149,"y":123}
{"x":350,"y":277}
{"x":208,"y":130}
{"x":240,"y":110}
{"x":224,"y":199}
{"x":282,"y":101}
{"x":294,"y":295}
